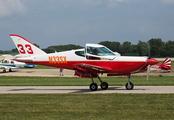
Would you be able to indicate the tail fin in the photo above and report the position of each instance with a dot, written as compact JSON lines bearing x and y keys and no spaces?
{"x":166,"y":65}
{"x":25,"y":47}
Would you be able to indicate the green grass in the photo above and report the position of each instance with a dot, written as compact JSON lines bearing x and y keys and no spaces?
{"x":43,"y":67}
{"x":76,"y":81}
{"x":86,"y":106}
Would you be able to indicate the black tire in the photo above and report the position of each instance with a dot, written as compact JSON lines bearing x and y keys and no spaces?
{"x":4,"y":71}
{"x":104,"y":85}
{"x":93,"y":86}
{"x":10,"y":70}
{"x":129,"y":87}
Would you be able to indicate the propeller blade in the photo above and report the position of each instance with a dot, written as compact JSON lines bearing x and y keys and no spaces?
{"x":148,"y":72}
{"x":149,"y":50}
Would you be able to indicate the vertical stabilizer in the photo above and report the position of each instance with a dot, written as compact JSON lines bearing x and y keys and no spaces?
{"x":25,"y":47}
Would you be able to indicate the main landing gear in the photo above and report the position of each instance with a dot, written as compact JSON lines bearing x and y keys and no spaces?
{"x":104,"y":85}
{"x":129,"y":85}
{"x":94,"y":86}
{"x":10,"y":70}
{"x":4,"y":71}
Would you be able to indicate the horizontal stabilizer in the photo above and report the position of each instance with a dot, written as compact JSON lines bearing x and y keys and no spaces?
{"x":26,"y":60}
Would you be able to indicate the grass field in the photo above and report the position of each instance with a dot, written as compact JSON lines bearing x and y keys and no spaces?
{"x":76,"y":81}
{"x":86,"y":106}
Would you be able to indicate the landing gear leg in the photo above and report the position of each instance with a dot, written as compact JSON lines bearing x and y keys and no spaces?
{"x":129,"y":85}
{"x":10,"y":70}
{"x":104,"y":85}
{"x":93,"y":86}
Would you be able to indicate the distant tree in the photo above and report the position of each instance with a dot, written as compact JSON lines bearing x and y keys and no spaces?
{"x":156,"y":47}
{"x":60,"y":48}
{"x":169,"y":47}
{"x":1,"y":52}
{"x":114,"y":46}
{"x":134,"y":50}
{"x":48,"y":50}
{"x":14,"y":50}
{"x":36,"y":45}
{"x":142,"y":48}
{"x":126,"y":48}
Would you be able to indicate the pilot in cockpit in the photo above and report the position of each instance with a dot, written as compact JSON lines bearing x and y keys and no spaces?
{"x":95,"y":51}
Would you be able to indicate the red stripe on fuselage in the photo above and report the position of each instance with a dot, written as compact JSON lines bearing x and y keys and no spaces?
{"x":116,"y":66}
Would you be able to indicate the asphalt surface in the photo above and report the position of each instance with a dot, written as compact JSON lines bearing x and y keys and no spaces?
{"x":84,"y":89}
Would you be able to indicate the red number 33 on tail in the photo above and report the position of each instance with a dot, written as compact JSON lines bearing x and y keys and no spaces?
{"x":27,"y":47}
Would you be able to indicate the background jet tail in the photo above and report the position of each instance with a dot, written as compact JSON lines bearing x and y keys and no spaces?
{"x":25,"y":47}
{"x":166,"y":65}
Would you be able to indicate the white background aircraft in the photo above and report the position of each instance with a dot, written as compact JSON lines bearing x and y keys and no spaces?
{"x":8,"y":64}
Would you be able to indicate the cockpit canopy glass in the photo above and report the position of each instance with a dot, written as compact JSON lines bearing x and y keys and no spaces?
{"x":99,"y":51}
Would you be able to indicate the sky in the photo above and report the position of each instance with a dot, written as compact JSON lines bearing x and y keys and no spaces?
{"x":62,"y":22}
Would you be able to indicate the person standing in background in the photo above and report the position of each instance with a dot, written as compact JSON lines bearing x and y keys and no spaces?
{"x":61,"y":71}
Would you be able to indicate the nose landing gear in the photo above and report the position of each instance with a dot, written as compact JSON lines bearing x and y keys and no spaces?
{"x":129,"y":85}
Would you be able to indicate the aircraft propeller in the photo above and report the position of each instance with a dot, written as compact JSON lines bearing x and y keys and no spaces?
{"x":148,"y":67}
{"x":148,"y":72}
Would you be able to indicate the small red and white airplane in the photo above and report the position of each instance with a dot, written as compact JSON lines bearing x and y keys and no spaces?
{"x":94,"y":59}
{"x":166,"y":65}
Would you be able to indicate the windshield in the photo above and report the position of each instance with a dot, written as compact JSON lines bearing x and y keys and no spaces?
{"x":100,"y":51}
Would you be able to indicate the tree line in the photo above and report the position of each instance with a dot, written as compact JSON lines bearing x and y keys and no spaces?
{"x":158,"y":48}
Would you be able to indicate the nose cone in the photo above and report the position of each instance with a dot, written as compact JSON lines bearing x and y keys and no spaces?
{"x":152,"y":61}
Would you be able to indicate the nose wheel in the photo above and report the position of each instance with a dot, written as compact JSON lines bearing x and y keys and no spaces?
{"x":129,"y":85}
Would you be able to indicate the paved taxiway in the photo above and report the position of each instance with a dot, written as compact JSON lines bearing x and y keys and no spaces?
{"x":83,"y":89}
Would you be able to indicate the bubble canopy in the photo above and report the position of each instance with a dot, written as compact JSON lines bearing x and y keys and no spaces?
{"x":98,"y":50}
